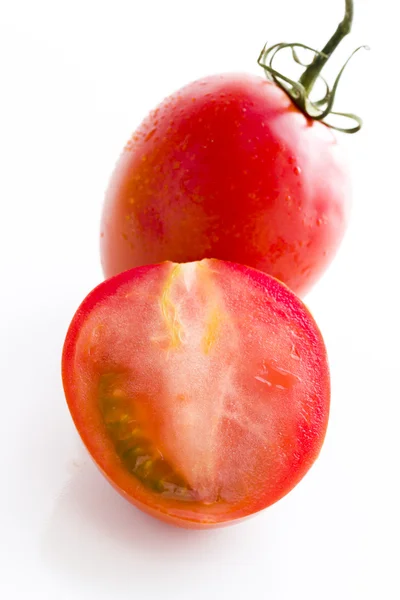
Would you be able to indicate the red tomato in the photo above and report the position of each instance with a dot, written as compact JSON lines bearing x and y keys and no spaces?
{"x":201,"y":390}
{"x":228,"y":168}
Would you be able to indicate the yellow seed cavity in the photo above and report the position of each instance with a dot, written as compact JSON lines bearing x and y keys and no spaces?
{"x":169,"y":310}
{"x":212,"y":329}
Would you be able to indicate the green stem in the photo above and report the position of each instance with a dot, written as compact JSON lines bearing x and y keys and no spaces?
{"x":312,"y":72}
{"x":299,"y":91}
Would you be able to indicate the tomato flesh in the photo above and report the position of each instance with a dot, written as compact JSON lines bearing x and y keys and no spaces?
{"x":201,"y":390}
{"x":228,"y":168}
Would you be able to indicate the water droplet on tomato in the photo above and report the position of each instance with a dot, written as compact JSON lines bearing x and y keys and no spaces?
{"x":294,"y":353}
{"x":297,"y":170}
{"x":150,"y":134}
{"x":278,"y":378}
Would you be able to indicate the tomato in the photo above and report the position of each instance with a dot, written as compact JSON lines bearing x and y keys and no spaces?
{"x":201,"y":390}
{"x":228,"y":167}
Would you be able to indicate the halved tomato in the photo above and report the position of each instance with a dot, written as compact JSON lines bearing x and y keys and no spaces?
{"x":201,"y":390}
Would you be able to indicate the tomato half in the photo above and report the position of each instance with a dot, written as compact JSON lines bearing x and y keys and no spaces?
{"x":201,"y":390}
{"x":228,"y":167}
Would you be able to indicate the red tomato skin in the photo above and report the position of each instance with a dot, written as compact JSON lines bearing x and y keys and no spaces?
{"x":310,"y":441}
{"x":228,"y":168}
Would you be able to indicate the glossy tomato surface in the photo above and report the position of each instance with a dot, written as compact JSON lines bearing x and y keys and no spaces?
{"x":201,"y":390}
{"x":228,"y":168}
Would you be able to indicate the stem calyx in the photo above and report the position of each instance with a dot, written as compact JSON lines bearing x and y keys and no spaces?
{"x":299,"y":91}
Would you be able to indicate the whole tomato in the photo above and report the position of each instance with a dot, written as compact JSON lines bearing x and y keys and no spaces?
{"x":228,"y":168}
{"x":234,"y":167}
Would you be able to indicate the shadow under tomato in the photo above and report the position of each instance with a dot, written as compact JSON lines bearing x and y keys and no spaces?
{"x":95,"y":535}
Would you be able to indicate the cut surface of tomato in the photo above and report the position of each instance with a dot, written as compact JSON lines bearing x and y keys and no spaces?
{"x":201,"y":390}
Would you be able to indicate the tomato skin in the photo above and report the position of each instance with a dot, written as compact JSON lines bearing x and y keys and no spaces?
{"x":228,"y":168}
{"x":302,"y":444}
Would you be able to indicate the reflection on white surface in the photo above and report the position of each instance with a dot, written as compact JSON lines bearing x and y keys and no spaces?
{"x":95,"y":539}
{"x":92,"y":526}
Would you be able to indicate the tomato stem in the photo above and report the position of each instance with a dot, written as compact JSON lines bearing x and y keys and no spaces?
{"x":313,"y":71}
{"x":299,"y":91}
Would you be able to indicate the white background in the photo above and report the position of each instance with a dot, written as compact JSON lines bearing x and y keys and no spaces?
{"x":76,"y":79}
